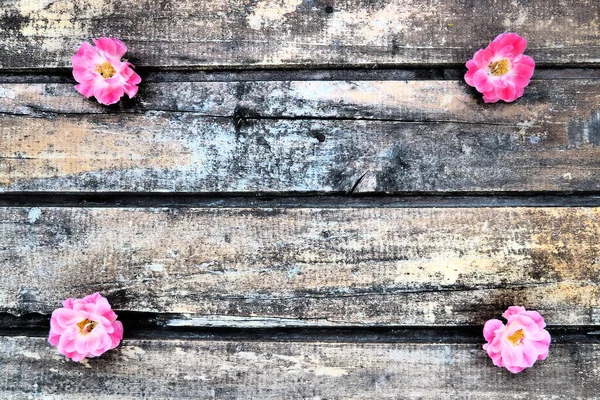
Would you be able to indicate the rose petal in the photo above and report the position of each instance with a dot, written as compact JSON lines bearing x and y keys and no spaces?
{"x":111,"y":48}
{"x":482,"y":81}
{"x":483,"y":58}
{"x":512,"y":355}
{"x":508,"y":93}
{"x":62,"y":318}
{"x":490,"y":97}
{"x":490,"y":328}
{"x":518,"y":43}
{"x":117,"y":334}
{"x":108,"y":94}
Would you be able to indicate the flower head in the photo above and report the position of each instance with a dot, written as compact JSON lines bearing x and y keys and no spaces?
{"x":85,"y":327}
{"x":101,"y":73}
{"x":518,"y":344}
{"x":501,"y":71}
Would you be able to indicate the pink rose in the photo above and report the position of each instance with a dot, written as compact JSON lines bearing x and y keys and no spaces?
{"x":501,"y":71}
{"x":518,"y":344}
{"x":101,"y":73}
{"x":85,"y":327}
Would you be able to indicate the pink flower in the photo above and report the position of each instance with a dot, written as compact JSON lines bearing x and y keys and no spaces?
{"x":501,"y":71}
{"x":85,"y":327}
{"x":101,"y":73}
{"x":520,"y":343}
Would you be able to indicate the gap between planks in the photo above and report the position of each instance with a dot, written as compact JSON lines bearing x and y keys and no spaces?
{"x":176,"y":326}
{"x":150,"y":75}
{"x":300,"y":200}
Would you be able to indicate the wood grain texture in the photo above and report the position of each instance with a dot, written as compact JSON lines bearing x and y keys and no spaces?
{"x":274,"y":370}
{"x":300,"y":267}
{"x":301,"y":136}
{"x":234,"y":33}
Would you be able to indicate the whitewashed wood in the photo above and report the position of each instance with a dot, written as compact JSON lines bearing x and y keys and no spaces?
{"x":317,"y":267}
{"x":288,"y":137}
{"x":188,"y":369}
{"x":275,"y":33}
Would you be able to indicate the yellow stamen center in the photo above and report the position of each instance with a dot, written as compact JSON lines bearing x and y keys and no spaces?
{"x":500,"y":67}
{"x":106,"y":70}
{"x":86,"y":326}
{"x":516,"y":337}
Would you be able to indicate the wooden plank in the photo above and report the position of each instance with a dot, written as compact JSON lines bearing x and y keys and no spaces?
{"x":275,"y":33}
{"x":294,"y":370}
{"x":397,"y":100}
{"x":382,"y":136}
{"x":307,"y":266}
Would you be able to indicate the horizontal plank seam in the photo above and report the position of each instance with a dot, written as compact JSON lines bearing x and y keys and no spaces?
{"x":300,"y":200}
{"x":382,"y":73}
{"x":360,"y":334}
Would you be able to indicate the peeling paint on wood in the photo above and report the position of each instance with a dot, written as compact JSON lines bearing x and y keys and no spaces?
{"x":242,"y":33}
{"x":185,"y":369}
{"x":276,"y":137}
{"x":365,"y":266}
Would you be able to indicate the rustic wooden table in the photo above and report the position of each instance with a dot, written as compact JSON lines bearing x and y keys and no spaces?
{"x":304,"y":201}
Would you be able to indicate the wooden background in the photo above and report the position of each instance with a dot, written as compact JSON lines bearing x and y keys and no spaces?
{"x":305,"y":200}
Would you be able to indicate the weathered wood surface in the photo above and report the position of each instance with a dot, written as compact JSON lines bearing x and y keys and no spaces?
{"x":227,"y":262}
{"x":294,"y":370}
{"x":300,"y":267}
{"x":311,"y":136}
{"x":243,"y":33}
